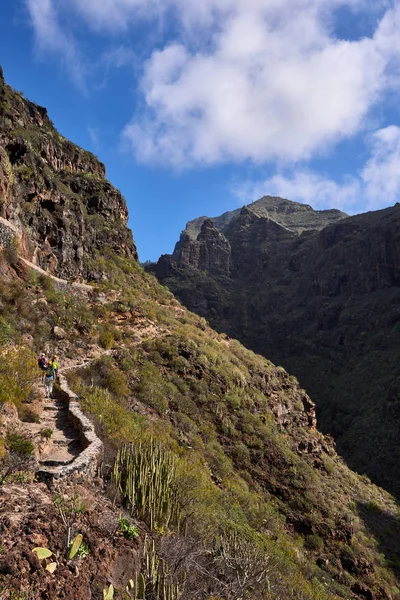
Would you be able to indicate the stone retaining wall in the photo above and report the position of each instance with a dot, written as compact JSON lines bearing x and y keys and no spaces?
{"x":86,"y":463}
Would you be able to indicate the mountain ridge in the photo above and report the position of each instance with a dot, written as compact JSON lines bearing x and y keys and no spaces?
{"x":283,"y":211}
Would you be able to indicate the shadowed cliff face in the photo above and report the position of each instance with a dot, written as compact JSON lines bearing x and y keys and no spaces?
{"x":324,"y":304}
{"x":57,"y":192}
{"x":210,"y":252}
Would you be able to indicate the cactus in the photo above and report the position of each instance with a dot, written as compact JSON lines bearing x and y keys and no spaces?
{"x":109,"y":594}
{"x":141,"y":587}
{"x":75,"y":546}
{"x":154,"y":579}
{"x":51,"y":567}
{"x":42,"y":553}
{"x":145,"y":475}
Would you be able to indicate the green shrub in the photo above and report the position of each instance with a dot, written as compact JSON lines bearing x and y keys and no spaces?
{"x":129,"y":531}
{"x":104,"y":373}
{"x":314,"y":542}
{"x":46,"y":283}
{"x":18,"y":373}
{"x":27,"y":415}
{"x":152,"y":388}
{"x":46,"y":433}
{"x":11,"y":252}
{"x":106,"y":339}
{"x":19,"y":444}
{"x":7,"y":331}
{"x":117,"y":421}
{"x":241,"y":455}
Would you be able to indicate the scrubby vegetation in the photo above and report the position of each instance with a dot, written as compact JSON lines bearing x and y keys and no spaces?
{"x":18,"y":373}
{"x":210,"y":450}
{"x":244,"y":481}
{"x":210,"y":406}
{"x":325,"y":304}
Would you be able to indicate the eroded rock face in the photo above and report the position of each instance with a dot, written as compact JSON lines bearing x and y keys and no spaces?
{"x":210,"y":252}
{"x":55,"y":194}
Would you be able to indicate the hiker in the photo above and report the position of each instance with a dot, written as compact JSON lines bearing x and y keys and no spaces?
{"x":55,"y":366}
{"x":42,"y":364}
{"x":49,"y":379}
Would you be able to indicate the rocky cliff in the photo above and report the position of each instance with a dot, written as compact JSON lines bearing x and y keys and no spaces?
{"x":54,"y":193}
{"x":325,"y":304}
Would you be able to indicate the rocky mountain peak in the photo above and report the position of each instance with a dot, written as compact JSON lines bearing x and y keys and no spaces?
{"x":294,"y":216}
{"x":207,"y":225}
{"x":210,"y":251}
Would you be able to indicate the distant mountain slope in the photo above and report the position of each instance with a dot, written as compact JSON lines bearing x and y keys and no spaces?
{"x":324,"y":304}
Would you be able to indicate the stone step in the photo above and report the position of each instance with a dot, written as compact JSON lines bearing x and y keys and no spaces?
{"x":62,"y":433}
{"x":60,"y":456}
{"x":58,"y":460}
{"x":53,"y":407}
{"x":63,"y":442}
{"x":55,"y":401}
{"x":48,"y":474}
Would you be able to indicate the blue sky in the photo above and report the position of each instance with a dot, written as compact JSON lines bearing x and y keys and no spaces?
{"x":197,"y":107}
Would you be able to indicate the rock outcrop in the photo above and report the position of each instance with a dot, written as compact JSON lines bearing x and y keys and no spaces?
{"x":56,"y":191}
{"x":210,"y":252}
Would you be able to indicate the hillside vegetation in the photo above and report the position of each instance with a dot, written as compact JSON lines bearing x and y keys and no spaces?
{"x":215,"y":483}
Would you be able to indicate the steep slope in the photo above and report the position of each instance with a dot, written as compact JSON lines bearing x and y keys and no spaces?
{"x":325,"y":306}
{"x":212,"y":453}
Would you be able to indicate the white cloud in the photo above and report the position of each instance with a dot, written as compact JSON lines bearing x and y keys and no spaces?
{"x":259,"y":80}
{"x":381,"y":173}
{"x":94,"y":136}
{"x":275,"y":86}
{"x":53,"y":42}
{"x":376,"y":185}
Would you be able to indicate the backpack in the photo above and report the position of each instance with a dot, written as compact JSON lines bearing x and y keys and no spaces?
{"x":42,"y":362}
{"x":50,"y":370}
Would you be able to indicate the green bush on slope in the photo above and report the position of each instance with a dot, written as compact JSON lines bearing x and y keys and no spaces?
{"x":18,"y":373}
